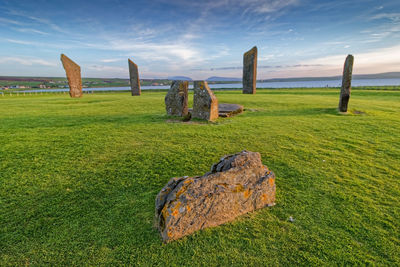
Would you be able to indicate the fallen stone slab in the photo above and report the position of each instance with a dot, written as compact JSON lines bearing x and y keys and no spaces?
{"x":226,"y":110}
{"x":73,"y":72}
{"x":229,"y":110}
{"x":236,"y":185}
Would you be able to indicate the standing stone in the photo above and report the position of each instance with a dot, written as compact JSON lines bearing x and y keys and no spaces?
{"x":134,"y":78}
{"x":205,"y":104}
{"x":346,"y":84}
{"x":250,"y":71}
{"x":176,"y":100}
{"x":236,"y":185}
{"x":73,"y":72}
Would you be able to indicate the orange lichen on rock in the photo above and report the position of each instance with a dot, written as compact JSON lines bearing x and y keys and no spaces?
{"x":271,"y":181}
{"x":247,"y":193}
{"x":236,"y":185}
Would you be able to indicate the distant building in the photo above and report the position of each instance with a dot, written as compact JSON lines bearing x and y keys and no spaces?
{"x":42,"y":86}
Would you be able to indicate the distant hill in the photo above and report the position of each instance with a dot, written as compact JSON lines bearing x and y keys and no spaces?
{"x":223,"y":79}
{"x":180,"y":78}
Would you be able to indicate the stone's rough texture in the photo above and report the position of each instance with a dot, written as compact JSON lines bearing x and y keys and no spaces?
{"x":250,"y":71}
{"x":237,"y":184}
{"x":134,"y":78}
{"x":176,"y":100}
{"x":346,"y":84}
{"x":73,"y":72}
{"x":205,"y":104}
{"x":229,"y":110}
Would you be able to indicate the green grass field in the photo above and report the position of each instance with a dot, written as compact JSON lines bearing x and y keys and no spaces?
{"x":78,"y":179}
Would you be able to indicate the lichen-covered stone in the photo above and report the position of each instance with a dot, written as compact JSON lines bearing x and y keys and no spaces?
{"x":250,"y":71}
{"x":236,"y":185}
{"x":176,"y":100}
{"x":73,"y":72}
{"x":134,"y":78}
{"x":205,"y":104}
{"x":346,"y":83}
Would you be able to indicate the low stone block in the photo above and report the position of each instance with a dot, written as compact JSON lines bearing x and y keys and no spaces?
{"x":236,"y":185}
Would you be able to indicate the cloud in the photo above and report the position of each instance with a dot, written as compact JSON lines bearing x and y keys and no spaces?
{"x":10,"y":21}
{"x":27,"y":61}
{"x":110,"y":60}
{"x":43,"y":21}
{"x":20,"y":42}
{"x":31,"y":31}
{"x":150,"y":50}
{"x":389,"y":16}
{"x":384,"y":59}
{"x":261,"y":67}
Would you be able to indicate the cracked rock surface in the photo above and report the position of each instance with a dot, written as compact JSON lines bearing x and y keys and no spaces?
{"x":236,"y":185}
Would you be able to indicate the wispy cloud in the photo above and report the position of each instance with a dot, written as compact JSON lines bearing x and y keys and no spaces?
{"x":29,"y":30}
{"x":110,"y":60}
{"x":10,"y":21}
{"x":384,"y":59}
{"x":27,"y":61}
{"x":389,"y":16}
{"x":22,"y":42}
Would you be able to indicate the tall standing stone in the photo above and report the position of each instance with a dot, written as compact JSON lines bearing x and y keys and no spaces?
{"x":73,"y":72}
{"x":250,"y":71}
{"x":346,"y":83}
{"x":205,"y":104}
{"x":176,"y":100}
{"x":134,"y":78}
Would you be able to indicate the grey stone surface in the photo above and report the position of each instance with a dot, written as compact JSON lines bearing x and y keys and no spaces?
{"x":236,"y":185}
{"x":250,"y":71}
{"x":176,"y":100}
{"x":134,"y":78}
{"x":229,"y":110}
{"x":346,"y":84}
{"x":205,"y":104}
{"x":73,"y":72}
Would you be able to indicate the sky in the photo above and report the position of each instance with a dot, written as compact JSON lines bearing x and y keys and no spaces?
{"x":199,"y":39}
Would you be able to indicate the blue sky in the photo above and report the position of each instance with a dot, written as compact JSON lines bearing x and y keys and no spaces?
{"x":199,"y":39}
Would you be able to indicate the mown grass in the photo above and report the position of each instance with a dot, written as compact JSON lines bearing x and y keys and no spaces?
{"x":78,"y":179}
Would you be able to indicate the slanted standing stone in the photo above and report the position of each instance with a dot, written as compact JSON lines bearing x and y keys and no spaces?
{"x":346,"y":84}
{"x":73,"y":72}
{"x":250,"y":71}
{"x":134,"y":78}
{"x":176,"y":100}
{"x":205,"y":104}
{"x":236,"y":185}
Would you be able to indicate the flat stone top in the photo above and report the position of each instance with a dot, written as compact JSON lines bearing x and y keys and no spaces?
{"x":227,"y":108}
